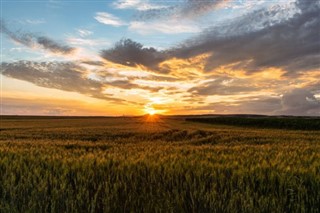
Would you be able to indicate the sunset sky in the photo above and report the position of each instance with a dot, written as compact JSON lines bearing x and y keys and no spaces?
{"x":132,"y":57}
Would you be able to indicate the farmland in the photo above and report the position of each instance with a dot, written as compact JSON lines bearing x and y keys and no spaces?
{"x":155,"y":164}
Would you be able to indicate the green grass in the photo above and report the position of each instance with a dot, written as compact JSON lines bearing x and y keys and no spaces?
{"x":172,"y":165}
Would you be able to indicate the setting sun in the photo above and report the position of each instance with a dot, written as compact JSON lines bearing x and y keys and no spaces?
{"x":151,"y":111}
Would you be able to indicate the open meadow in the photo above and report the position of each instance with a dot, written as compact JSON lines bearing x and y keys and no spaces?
{"x":155,"y":164}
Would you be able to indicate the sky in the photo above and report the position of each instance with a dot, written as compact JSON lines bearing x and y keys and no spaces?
{"x":132,"y":57}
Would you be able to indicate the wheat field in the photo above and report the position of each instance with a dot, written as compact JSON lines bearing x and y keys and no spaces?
{"x":155,"y":164}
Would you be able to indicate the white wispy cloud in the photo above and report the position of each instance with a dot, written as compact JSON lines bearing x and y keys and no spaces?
{"x":84,"y":32}
{"x":170,"y":27}
{"x":86,"y":42}
{"x":34,"y":21}
{"x":137,"y":5}
{"x":109,"y":19}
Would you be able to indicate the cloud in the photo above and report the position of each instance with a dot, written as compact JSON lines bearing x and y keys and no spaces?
{"x":295,"y":102}
{"x":15,"y":106}
{"x":292,"y":44}
{"x":53,"y":46}
{"x":288,"y":41}
{"x":72,"y":77}
{"x":224,"y":86}
{"x":130,"y":53}
{"x":259,"y":105}
{"x":250,"y":105}
{"x":195,"y":8}
{"x":49,"y":106}
{"x":84,"y":33}
{"x":300,"y":102}
{"x":137,"y":5}
{"x":35,"y":41}
{"x":314,"y":86}
{"x":34,"y":21}
{"x":163,"y":27}
{"x":65,"y":76}
{"x":58,"y":75}
{"x":93,"y":63}
{"x":109,"y":19}
{"x":87,"y":42}
{"x":187,"y":9}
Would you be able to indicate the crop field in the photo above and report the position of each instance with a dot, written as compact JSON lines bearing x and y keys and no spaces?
{"x":156,"y":164}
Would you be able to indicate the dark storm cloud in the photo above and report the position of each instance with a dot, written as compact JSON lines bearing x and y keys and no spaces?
{"x":32,"y":40}
{"x":187,"y":9}
{"x":131,"y":53}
